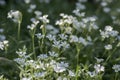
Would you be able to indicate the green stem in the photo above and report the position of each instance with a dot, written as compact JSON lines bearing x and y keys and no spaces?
{"x":19,"y":30}
{"x":110,"y":54}
{"x":33,"y":46}
{"x":77,"y":67}
{"x":116,"y":76}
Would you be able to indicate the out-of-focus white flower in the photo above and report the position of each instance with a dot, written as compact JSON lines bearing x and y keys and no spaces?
{"x":106,"y":9}
{"x":33,"y":25}
{"x":40,"y":36}
{"x":5,"y":42}
{"x":42,"y":56}
{"x":116,"y":68}
{"x":2,"y":2}
{"x":53,"y":54}
{"x":92,"y":74}
{"x":73,"y":38}
{"x":77,"y":13}
{"x":108,"y":32}
{"x":63,"y":36}
{"x":31,"y":8}
{"x":51,"y":37}
{"x":16,"y":16}
{"x":99,"y":60}
{"x":108,"y":47}
{"x":38,"y":13}
{"x":27,"y":1}
{"x":103,"y":3}
{"x":44,"y":19}
{"x":108,"y":28}
{"x":1,"y":30}
{"x":99,"y":68}
{"x":40,"y":74}
{"x":60,"y":67}
{"x":71,"y":73}
{"x":2,"y":37}
{"x":1,"y":45}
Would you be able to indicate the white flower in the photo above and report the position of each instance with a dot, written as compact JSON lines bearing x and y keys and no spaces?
{"x":27,"y":1}
{"x":31,"y":8}
{"x":1,"y":30}
{"x":71,"y":73}
{"x":40,"y":36}
{"x":64,"y":44}
{"x":83,"y":41}
{"x":51,"y":37}
{"x":33,"y":25}
{"x":73,"y":38}
{"x":16,"y":16}
{"x":116,"y":68}
{"x":108,"y":47}
{"x":77,"y":13}
{"x":108,"y":28}
{"x":99,"y":60}
{"x":57,"y":44}
{"x":103,"y":3}
{"x":42,"y":56}
{"x":99,"y":68}
{"x":60,"y":67}
{"x":40,"y":74}
{"x":108,"y":32}
{"x":38,"y":13}
{"x":20,"y":61}
{"x":92,"y":74}
{"x":80,"y":6}
{"x":106,"y":9}
{"x":1,"y":45}
{"x":5,"y":42}
{"x":44,"y":19}
{"x":53,"y":54}
{"x":2,"y":37}
{"x":63,"y":36}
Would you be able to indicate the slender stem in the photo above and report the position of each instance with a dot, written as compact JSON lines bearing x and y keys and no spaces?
{"x":19,"y":30}
{"x":111,"y":54}
{"x":116,"y":76}
{"x":77,"y":67}
{"x":33,"y":46}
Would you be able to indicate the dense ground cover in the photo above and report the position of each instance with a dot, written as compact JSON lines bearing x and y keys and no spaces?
{"x":59,"y":40}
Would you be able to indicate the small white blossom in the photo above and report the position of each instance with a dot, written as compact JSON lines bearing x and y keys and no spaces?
{"x":53,"y":54}
{"x":1,"y":45}
{"x":116,"y":68}
{"x":44,"y":19}
{"x":99,"y":68}
{"x":40,"y":74}
{"x":16,"y":16}
{"x":92,"y":74}
{"x":43,"y":56}
{"x":60,"y":67}
{"x":108,"y":47}
{"x":31,"y":8}
{"x":51,"y":37}
{"x":27,"y":1}
{"x":71,"y":73}
{"x":39,"y":35}
{"x":63,"y":36}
